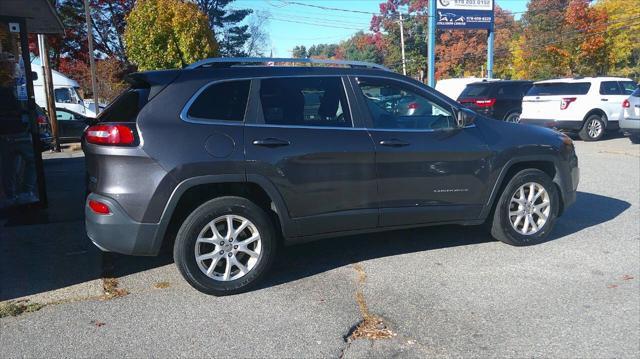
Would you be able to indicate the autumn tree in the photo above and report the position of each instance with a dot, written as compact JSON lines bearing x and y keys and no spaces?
{"x":167,"y":34}
{"x":586,"y":49}
{"x":622,"y":37}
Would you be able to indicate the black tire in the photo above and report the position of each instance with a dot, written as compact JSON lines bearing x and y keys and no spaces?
{"x":184,"y":247}
{"x":587,"y":135}
{"x":501,"y":227}
{"x":512,"y":117}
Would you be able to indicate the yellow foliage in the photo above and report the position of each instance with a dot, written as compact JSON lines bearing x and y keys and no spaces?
{"x":164,"y":34}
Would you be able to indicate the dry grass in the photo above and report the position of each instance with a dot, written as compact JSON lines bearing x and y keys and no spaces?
{"x":371,"y":326}
{"x":16,"y":308}
{"x":162,"y":285}
{"x":111,"y":290}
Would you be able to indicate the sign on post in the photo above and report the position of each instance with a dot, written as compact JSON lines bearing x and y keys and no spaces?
{"x":464,"y":14}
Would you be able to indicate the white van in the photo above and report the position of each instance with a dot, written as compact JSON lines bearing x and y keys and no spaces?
{"x":65,"y":91}
{"x":589,"y":106}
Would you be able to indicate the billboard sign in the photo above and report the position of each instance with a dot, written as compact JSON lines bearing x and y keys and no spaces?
{"x":464,"y":14}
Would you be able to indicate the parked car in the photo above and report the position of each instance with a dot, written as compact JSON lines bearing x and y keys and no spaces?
{"x":590,"y":106}
{"x":71,"y":125}
{"x":44,"y":129}
{"x":454,"y":87}
{"x":501,"y":100}
{"x":230,"y":160}
{"x":630,"y":120}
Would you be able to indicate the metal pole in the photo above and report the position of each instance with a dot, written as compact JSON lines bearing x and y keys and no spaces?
{"x":48,"y":89}
{"x":92,"y":63}
{"x":431,"y":45}
{"x":490,"y":39}
{"x":404,"y":62}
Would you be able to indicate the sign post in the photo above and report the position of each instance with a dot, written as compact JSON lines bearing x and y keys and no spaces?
{"x":431,"y":45}
{"x":463,"y":15}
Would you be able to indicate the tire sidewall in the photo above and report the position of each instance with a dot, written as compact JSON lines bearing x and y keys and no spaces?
{"x":502,"y":211}
{"x":506,"y":118}
{"x":184,"y":249}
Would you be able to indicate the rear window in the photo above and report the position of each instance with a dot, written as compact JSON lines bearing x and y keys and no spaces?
{"x":225,"y":101}
{"x":559,"y":88}
{"x":125,"y":107}
{"x":475,"y":90}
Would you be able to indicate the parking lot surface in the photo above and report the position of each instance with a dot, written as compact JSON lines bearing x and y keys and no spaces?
{"x":443,"y":291}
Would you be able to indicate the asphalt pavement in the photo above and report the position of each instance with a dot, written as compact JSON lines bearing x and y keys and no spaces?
{"x":448,"y":291}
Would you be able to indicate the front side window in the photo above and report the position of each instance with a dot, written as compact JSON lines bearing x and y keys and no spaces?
{"x":395,"y":106}
{"x":224,"y":101}
{"x":304,"y":101}
{"x":609,"y":88}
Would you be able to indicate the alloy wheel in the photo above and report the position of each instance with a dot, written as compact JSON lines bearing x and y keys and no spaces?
{"x":513,"y":118}
{"x":529,"y":208}
{"x":594,"y":128}
{"x":228,"y":248}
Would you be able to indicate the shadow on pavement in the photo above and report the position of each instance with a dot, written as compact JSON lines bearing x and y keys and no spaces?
{"x":48,"y":249}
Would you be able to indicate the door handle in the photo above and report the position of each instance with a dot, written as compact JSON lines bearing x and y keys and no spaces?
{"x":604,"y":99}
{"x":271,"y":142}
{"x":393,"y":143}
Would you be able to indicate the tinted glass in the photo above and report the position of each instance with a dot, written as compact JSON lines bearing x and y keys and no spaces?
{"x":224,"y":101}
{"x":394,"y":106}
{"x":305,"y":101}
{"x":610,"y":88}
{"x":510,"y":90}
{"x":559,"y":88}
{"x":636,"y":92}
{"x":627,"y":87}
{"x":62,"y":95}
{"x":124,"y":108}
{"x":477,"y":90}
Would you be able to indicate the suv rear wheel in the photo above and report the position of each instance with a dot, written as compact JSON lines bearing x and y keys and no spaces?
{"x":526,"y":210}
{"x":225,"y":246}
{"x":593,"y":128}
{"x":513,"y":117}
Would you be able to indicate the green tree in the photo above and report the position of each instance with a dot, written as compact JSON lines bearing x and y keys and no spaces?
{"x":299,"y":52}
{"x":225,"y":23}
{"x":167,"y":34}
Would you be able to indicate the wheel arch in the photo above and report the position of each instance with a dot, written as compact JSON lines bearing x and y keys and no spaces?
{"x":596,"y":111}
{"x":191,"y":193}
{"x":546,"y":164}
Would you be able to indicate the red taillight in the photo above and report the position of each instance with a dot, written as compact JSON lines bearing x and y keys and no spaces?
{"x":42,"y":120}
{"x":99,"y":207}
{"x":485,"y":102}
{"x":626,"y":104}
{"x":413,"y":106}
{"x":566,"y":102}
{"x":109,"y":135}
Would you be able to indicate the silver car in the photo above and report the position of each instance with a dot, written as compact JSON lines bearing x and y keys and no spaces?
{"x":630,"y":121}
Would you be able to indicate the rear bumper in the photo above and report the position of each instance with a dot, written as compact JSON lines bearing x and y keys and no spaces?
{"x":560,"y":125}
{"x":117,"y":232}
{"x":630,"y":125}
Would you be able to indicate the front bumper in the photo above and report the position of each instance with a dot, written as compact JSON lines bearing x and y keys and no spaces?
{"x":117,"y":232}
{"x":560,"y":125}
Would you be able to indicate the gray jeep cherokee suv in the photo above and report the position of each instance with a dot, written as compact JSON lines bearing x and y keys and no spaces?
{"x":225,"y":161}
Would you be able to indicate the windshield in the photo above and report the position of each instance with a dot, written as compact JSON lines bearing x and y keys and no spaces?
{"x":559,"y":88}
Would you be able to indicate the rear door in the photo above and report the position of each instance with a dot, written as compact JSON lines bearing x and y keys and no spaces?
{"x":555,"y":101}
{"x":303,"y":139}
{"x":429,"y":170}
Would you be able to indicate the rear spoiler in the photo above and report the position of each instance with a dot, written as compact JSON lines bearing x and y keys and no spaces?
{"x":155,"y":81}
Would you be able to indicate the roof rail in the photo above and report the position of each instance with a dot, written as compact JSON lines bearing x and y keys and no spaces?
{"x":239,"y":61}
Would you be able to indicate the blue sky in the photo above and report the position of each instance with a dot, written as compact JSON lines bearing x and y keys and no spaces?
{"x":291,"y":24}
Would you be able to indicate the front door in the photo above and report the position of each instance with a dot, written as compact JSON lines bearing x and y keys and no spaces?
{"x":304,"y":141}
{"x":429,"y":170}
{"x":70,"y":125}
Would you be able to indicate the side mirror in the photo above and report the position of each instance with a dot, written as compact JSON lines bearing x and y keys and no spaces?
{"x":465,"y":117}
{"x":34,"y":76}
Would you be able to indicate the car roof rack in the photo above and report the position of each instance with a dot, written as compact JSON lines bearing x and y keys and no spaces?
{"x":223,"y":62}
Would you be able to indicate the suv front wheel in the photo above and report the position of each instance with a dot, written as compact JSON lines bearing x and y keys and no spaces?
{"x":526,"y":210}
{"x":225,"y":246}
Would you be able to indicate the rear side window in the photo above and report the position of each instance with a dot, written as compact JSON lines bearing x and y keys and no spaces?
{"x":636,"y":92}
{"x":512,"y":90}
{"x":305,"y":101}
{"x":628,"y":87}
{"x":559,"y":89}
{"x":477,"y":90}
{"x":610,"y":88}
{"x":225,"y":101}
{"x":125,"y":107}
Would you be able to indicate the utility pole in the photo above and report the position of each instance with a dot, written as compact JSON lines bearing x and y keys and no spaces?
{"x":48,"y":89}
{"x":431,"y":45}
{"x":490,"y":40}
{"x":92,"y":63}
{"x":404,"y":62}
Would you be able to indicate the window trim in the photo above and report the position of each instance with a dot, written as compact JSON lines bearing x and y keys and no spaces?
{"x":369,"y":120}
{"x":184,"y":114}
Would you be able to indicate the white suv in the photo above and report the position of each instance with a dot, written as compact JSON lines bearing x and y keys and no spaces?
{"x":589,"y":105}
{"x":630,"y":120}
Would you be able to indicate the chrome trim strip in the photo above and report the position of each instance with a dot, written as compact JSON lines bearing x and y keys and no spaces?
{"x":305,"y":127}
